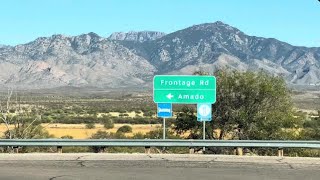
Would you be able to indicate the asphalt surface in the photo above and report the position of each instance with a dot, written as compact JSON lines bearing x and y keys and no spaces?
{"x":155,"y":167}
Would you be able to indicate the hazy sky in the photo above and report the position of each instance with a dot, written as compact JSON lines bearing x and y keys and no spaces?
{"x":293,"y":21}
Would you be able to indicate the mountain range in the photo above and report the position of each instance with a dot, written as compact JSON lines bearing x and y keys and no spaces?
{"x":129,"y":60}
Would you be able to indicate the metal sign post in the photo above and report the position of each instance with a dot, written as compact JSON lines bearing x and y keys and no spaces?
{"x":164,"y":111}
{"x":164,"y":129}
{"x":204,"y":134}
{"x":204,"y":114}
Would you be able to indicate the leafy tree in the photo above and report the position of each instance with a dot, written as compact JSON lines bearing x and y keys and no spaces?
{"x":125,"y":129}
{"x":186,"y":121}
{"x":249,"y":106}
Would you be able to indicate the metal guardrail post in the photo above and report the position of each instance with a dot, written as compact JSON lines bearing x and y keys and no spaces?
{"x":280,"y":152}
{"x":16,"y":149}
{"x":59,"y":149}
{"x":239,"y":151}
{"x":147,"y":149}
{"x":191,"y":150}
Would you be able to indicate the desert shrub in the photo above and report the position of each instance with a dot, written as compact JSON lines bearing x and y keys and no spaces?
{"x":99,"y":135}
{"x":125,"y":129}
{"x":108,"y":123}
{"x":137,"y":120}
{"x":149,"y":113}
{"x":67,"y":137}
{"x":76,"y":119}
{"x":138,"y":135}
{"x":90,"y":125}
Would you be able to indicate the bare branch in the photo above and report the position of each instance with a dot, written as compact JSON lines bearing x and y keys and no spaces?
{"x":8,"y":99}
{"x":29,"y":126}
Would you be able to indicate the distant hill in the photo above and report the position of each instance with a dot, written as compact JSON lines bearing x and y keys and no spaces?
{"x":130,"y":60}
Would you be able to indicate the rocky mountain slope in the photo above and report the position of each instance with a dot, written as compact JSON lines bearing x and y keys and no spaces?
{"x":132,"y":59}
{"x":136,"y":36}
{"x":85,"y":60}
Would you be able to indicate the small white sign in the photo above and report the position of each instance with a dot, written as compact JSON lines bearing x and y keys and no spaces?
{"x":204,"y":112}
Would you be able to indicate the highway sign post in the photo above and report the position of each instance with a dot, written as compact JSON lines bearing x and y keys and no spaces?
{"x":164,"y":111}
{"x":204,"y":114}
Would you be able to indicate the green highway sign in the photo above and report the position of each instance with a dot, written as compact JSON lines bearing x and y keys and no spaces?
{"x":184,"y":89}
{"x":184,"y":96}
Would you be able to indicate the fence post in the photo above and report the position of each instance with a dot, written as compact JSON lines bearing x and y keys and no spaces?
{"x":59,"y":149}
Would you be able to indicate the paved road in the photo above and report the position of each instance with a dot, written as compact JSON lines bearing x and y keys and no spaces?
{"x":155,"y":167}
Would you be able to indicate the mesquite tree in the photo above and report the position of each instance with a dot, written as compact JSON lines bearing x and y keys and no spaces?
{"x":249,"y":106}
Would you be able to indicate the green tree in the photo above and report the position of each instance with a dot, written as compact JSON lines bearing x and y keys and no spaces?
{"x":249,"y":106}
{"x":187,"y":121}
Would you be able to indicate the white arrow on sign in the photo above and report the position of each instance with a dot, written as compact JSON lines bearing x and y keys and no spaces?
{"x":169,"y":96}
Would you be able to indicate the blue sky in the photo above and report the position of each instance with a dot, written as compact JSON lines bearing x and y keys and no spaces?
{"x":293,"y":21}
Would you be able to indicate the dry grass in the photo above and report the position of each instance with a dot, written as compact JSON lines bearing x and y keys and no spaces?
{"x":79,"y":131}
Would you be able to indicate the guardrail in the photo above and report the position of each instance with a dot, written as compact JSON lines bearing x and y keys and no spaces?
{"x":147,"y":143}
